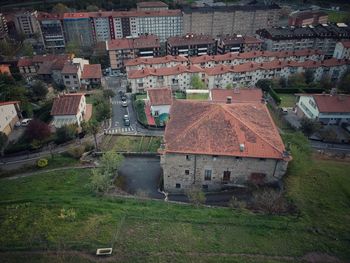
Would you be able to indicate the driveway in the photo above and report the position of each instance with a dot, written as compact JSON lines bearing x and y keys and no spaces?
{"x":142,"y":175}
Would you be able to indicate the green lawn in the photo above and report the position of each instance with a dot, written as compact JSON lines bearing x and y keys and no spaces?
{"x":57,"y":211}
{"x":197,"y":96}
{"x":287,"y":100}
{"x":337,"y":16}
{"x":131,"y":143}
{"x":141,"y":97}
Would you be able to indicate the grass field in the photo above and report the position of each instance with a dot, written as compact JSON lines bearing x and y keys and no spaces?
{"x":287,"y":100}
{"x":57,"y":211}
{"x":131,"y":143}
{"x":197,"y":96}
{"x":337,"y":16}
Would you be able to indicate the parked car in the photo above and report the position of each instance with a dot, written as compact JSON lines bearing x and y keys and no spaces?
{"x":125,"y":117}
{"x":25,"y":122}
{"x":124,"y":98}
{"x":121,"y":94}
{"x":126,"y":122}
{"x":124,"y":103}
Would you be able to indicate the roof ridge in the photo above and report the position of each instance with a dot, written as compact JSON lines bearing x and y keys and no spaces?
{"x":245,"y":124}
{"x":194,"y":123}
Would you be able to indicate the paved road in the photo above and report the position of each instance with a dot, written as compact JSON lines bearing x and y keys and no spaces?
{"x":338,"y":148}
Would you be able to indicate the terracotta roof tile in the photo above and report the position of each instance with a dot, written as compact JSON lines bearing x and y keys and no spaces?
{"x":25,"y":62}
{"x":166,"y":71}
{"x":4,"y":68}
{"x":346,"y":43}
{"x":92,"y":71}
{"x":160,"y":96}
{"x":69,"y":68}
{"x":194,"y":128}
{"x":335,"y":103}
{"x":149,"y":41}
{"x":152,"y":4}
{"x":156,"y":60}
{"x":237,"y":95}
{"x":190,"y":39}
{"x":67,"y":104}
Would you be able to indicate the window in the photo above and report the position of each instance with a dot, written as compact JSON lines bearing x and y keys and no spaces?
{"x":207,"y":175}
{"x":187,"y":172}
{"x":215,"y":157}
{"x":188,"y":157}
{"x":262,"y":159}
{"x":66,"y":77}
{"x":178,"y":185}
{"x":226,"y":177}
{"x":205,"y":187}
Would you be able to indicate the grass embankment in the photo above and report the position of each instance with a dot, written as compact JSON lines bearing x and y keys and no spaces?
{"x":197,"y":96}
{"x":57,"y":211}
{"x":287,"y":100}
{"x":338,"y":16}
{"x":131,"y":143}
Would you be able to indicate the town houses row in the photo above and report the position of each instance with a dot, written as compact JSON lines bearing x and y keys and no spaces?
{"x":243,"y":69}
{"x":73,"y":73}
{"x":87,"y":28}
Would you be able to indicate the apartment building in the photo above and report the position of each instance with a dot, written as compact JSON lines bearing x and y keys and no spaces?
{"x":102,"y":26}
{"x":152,"y":6}
{"x":156,"y":62}
{"x":342,"y":50}
{"x":3,"y":27}
{"x":321,"y":37}
{"x":191,"y":45}
{"x":120,"y":50}
{"x":52,"y":33}
{"x":27,"y":23}
{"x":246,"y":74}
{"x":234,"y":19}
{"x":304,"y":18}
{"x":238,"y":43}
{"x":78,"y":29}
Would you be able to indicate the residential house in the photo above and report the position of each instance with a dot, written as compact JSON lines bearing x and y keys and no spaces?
{"x":72,"y":72}
{"x":9,"y":113}
{"x":70,"y":109}
{"x":218,"y":145}
{"x":342,"y":50}
{"x":26,"y":67}
{"x":238,"y":43}
{"x":326,"y":108}
{"x":159,"y":100}
{"x":236,"y":95}
{"x":91,"y":76}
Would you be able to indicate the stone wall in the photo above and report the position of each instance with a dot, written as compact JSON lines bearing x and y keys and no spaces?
{"x":241,"y":169}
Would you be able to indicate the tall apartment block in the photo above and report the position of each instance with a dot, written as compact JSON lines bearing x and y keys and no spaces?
{"x":120,"y":50}
{"x":320,"y":37}
{"x":78,"y":28}
{"x":223,"y":20}
{"x":27,"y":23}
{"x":191,"y":45}
{"x":3,"y":27}
{"x":151,"y":6}
{"x":51,"y":26}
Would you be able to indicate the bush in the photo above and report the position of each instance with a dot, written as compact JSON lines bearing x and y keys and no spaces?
{"x":313,"y":90}
{"x":88,"y":146}
{"x":236,"y":204}
{"x":42,"y":163}
{"x":288,"y":91}
{"x":269,"y":201}
{"x":139,"y":106}
{"x":76,"y":152}
{"x":196,"y":196}
{"x":65,"y":133}
{"x":275,"y":96}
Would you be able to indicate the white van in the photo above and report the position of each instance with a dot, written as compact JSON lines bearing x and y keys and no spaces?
{"x":25,"y":122}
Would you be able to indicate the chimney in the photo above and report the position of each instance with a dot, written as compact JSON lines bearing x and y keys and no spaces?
{"x":228,"y":100}
{"x":241,"y":147}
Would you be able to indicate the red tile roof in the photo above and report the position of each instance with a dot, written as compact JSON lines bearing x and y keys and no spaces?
{"x":237,"y":95}
{"x":67,"y":104}
{"x":346,"y":43}
{"x":76,"y":15}
{"x":190,"y":39}
{"x":149,"y":41}
{"x":218,"y":129}
{"x":4,"y":68}
{"x":69,"y":68}
{"x":166,"y":71}
{"x":160,"y":96}
{"x":24,"y":62}
{"x":2,"y":103}
{"x":156,"y":60}
{"x":49,"y":16}
{"x":92,"y":71}
{"x":332,"y":103}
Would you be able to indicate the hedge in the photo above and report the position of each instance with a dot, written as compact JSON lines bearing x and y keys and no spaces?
{"x":139,"y":106}
{"x":288,"y":91}
{"x":275,"y":96}
{"x":313,"y":90}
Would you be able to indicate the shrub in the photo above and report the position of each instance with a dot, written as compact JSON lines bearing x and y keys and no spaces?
{"x":236,"y":204}
{"x":195,"y":195}
{"x":88,"y":146}
{"x":42,"y":163}
{"x":275,"y":96}
{"x":288,"y":91}
{"x":76,"y":151}
{"x":313,"y":90}
{"x":269,"y":201}
{"x":140,"y":111}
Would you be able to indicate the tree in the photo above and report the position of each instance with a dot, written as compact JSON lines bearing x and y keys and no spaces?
{"x":296,"y":81}
{"x":309,"y":76}
{"x":37,"y":130}
{"x":325,"y":83}
{"x":108,"y":93}
{"x":60,"y":9}
{"x":3,"y":142}
{"x":73,"y":47}
{"x":66,"y":133}
{"x":111,"y":161}
{"x":282,"y":82}
{"x":103,"y":111}
{"x":195,"y":195}
{"x":92,"y":8}
{"x":344,"y":84}
{"x":91,"y":127}
{"x":264,"y":84}
{"x":39,"y":90}
{"x":27,"y":49}
{"x":309,"y":126}
{"x":100,"y":182}
{"x":197,"y":83}
{"x":229,"y":86}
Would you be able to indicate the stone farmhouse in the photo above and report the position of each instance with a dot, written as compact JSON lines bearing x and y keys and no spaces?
{"x":218,"y":145}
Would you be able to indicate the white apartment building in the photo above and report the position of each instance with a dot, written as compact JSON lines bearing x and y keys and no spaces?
{"x":8,"y":116}
{"x":342,"y":50}
{"x":101,"y":28}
